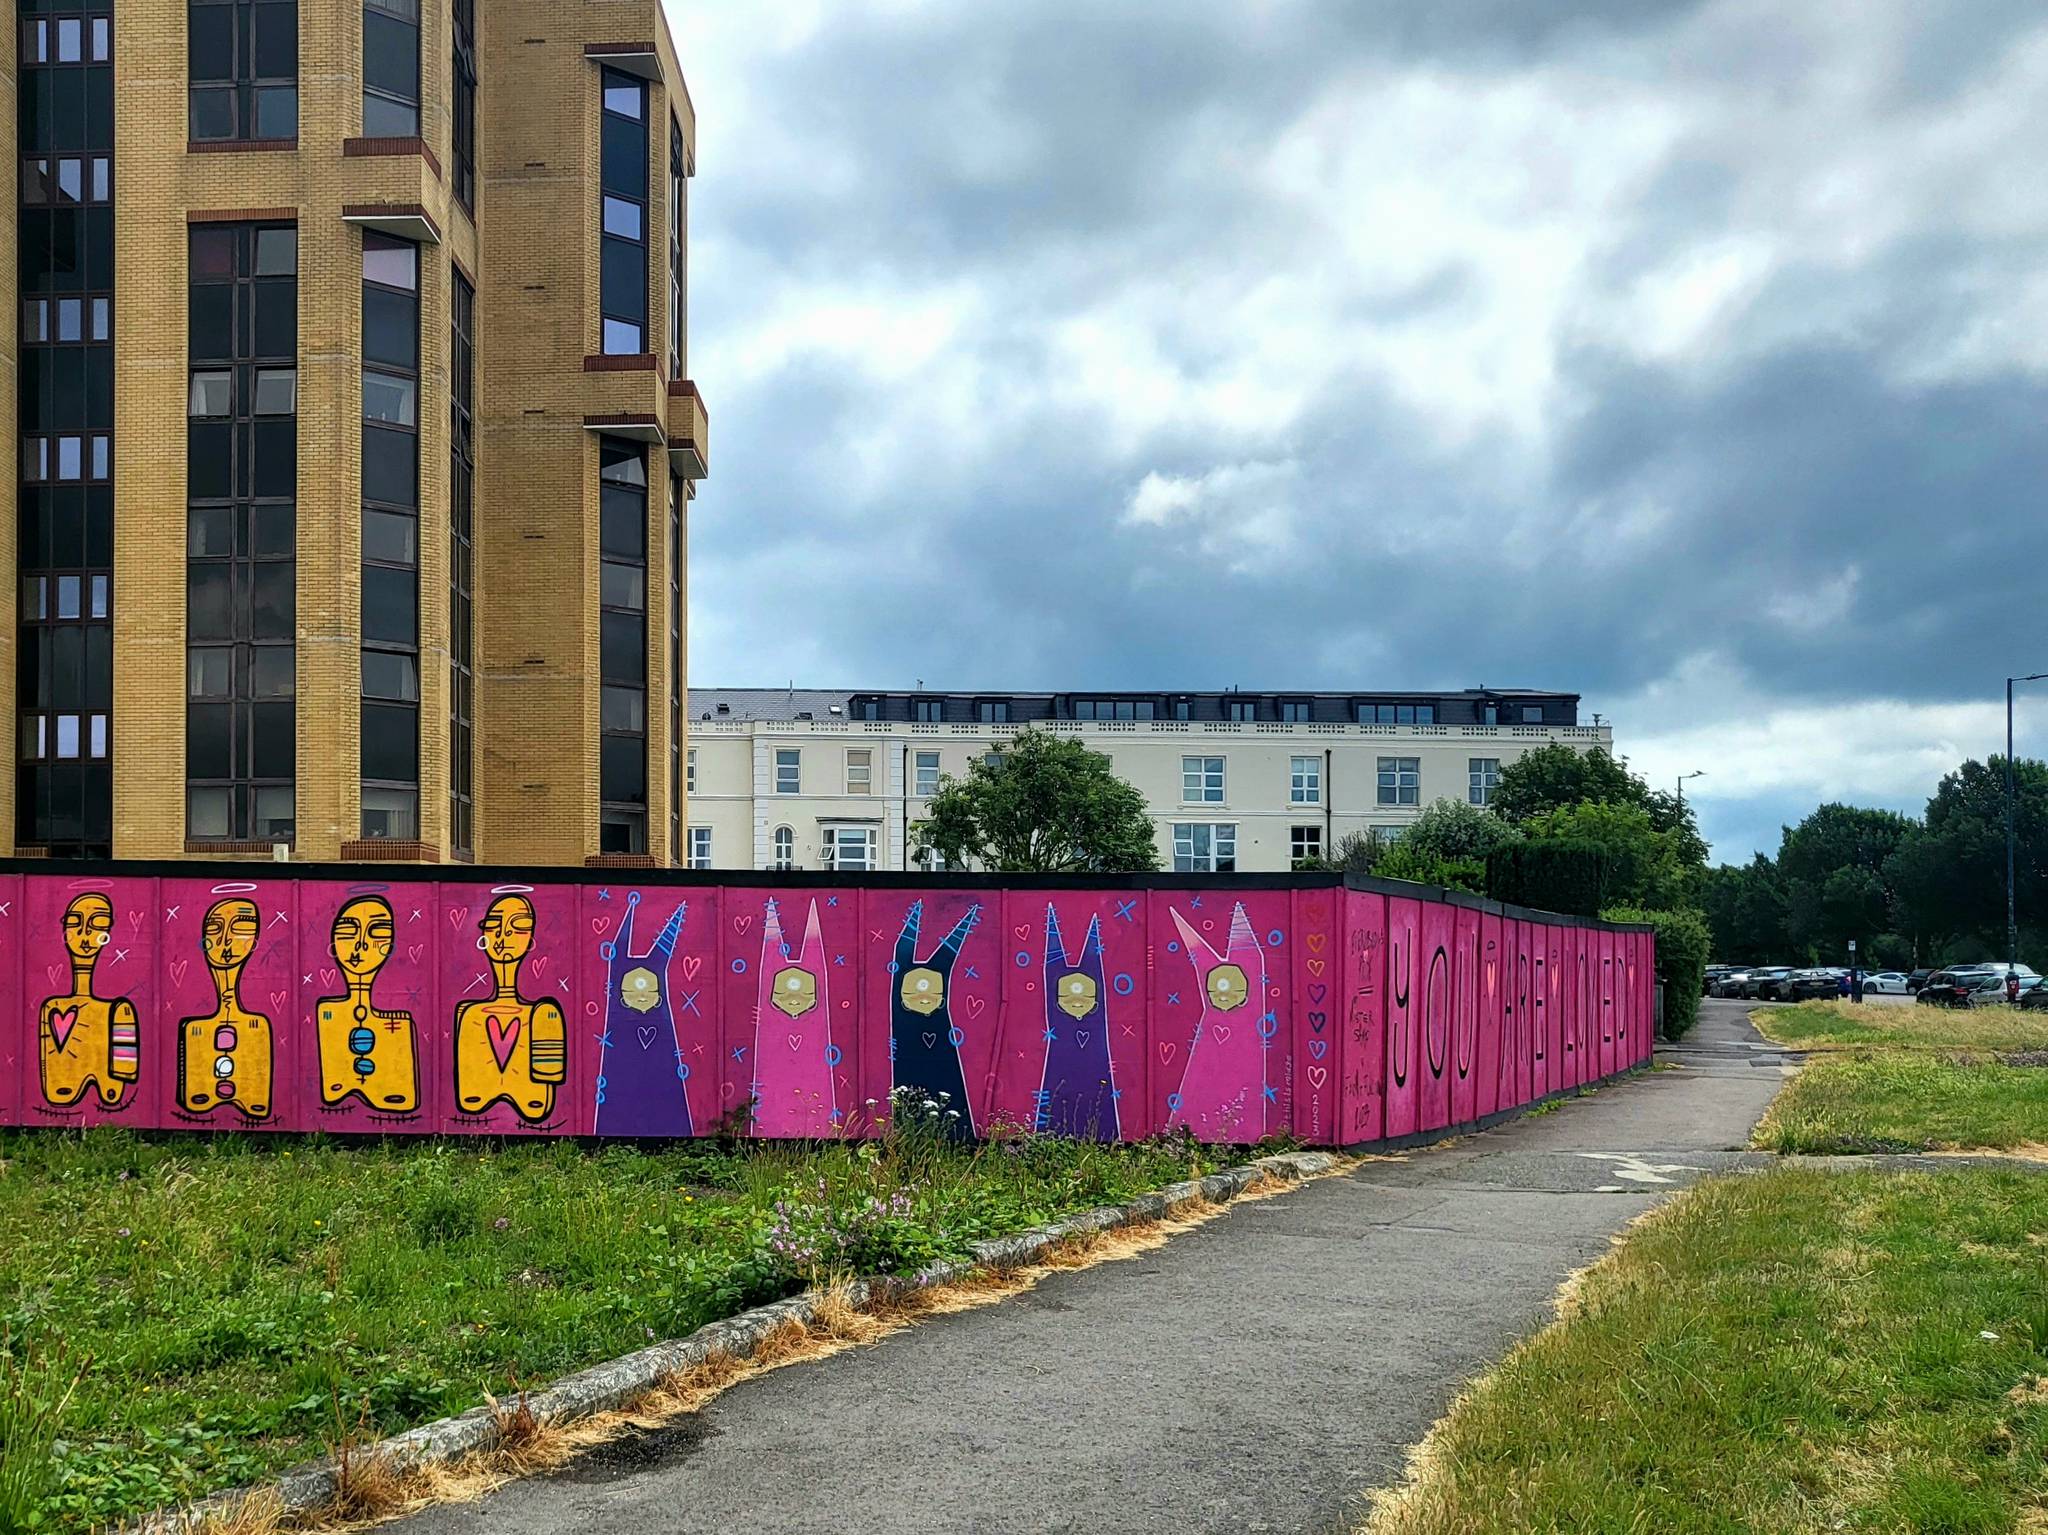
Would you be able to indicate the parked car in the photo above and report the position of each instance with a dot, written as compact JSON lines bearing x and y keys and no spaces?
{"x":1990,"y":992}
{"x":2034,"y":998}
{"x":1768,"y":976}
{"x":1917,"y":979}
{"x":1996,"y":964}
{"x":1957,"y":988}
{"x":1712,"y":976}
{"x":1807,"y":985}
{"x":1889,"y":983}
{"x":1730,"y":984}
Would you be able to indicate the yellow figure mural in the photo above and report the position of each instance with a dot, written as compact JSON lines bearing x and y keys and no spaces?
{"x":508,"y":1050}
{"x":227,"y":1056}
{"x":366,"y":1051}
{"x":82,"y":1041}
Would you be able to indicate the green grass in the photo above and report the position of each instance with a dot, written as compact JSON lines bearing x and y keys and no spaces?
{"x":1895,"y":1100}
{"x":246,"y":1301}
{"x":1795,"y":1352}
{"x":1845,"y":1025}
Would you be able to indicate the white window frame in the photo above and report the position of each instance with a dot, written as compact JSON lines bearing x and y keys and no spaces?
{"x":860,"y":770}
{"x":1304,"y":841}
{"x":789,"y":759}
{"x":833,"y":837}
{"x":1305,"y":781}
{"x":924,"y":768}
{"x":1400,"y":781}
{"x":1202,"y":780}
{"x":690,"y":770}
{"x":1483,"y":776}
{"x":783,"y":844}
{"x":1205,"y":847}
{"x":700,"y":847}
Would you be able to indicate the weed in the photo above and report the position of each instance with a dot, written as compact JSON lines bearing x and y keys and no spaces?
{"x":35,"y":1392}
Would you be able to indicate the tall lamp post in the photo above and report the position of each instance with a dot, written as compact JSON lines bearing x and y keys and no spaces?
{"x":1683,"y":778}
{"x":2012,"y":921}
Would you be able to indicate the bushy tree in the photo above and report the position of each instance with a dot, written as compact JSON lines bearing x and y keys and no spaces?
{"x":1356,"y":852}
{"x":1745,"y":909}
{"x":1453,"y":831}
{"x":1644,"y":866}
{"x":1949,"y":879}
{"x":1424,"y":867}
{"x":1557,"y":776}
{"x":1044,"y":804}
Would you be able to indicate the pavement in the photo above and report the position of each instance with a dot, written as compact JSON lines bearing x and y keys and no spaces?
{"x":1259,"y":1373}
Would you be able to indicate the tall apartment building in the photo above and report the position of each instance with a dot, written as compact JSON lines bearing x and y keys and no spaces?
{"x":799,"y":779}
{"x":356,"y":431}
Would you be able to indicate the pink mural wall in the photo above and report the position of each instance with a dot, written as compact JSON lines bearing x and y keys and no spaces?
{"x":364,"y":1001}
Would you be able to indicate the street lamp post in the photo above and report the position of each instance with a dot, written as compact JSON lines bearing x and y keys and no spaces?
{"x":1682,"y":779}
{"x":2012,"y":921}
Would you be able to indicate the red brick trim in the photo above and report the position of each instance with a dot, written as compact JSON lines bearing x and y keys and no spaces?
{"x":624,"y":418}
{"x":394,"y":211}
{"x":357,"y":149}
{"x":684,"y":388}
{"x":237,"y":146}
{"x":636,"y":362}
{"x":621,"y":861}
{"x":241,"y":216}
{"x":604,"y":50}
{"x":456,"y":261}
{"x":386,"y":850}
{"x":30,"y":850}
{"x":229,"y":849}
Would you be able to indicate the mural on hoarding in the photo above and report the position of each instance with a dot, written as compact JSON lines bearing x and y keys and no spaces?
{"x":336,"y":1003}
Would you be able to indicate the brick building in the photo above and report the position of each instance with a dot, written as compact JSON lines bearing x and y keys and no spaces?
{"x":356,"y":432}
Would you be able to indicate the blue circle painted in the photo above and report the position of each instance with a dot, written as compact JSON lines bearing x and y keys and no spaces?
{"x":739,"y":967}
{"x":1173,"y":1101}
{"x":834,"y":1055}
{"x":606,"y":950}
{"x":1269,"y":1027}
{"x":365,"y":1066}
{"x":1124,"y":984}
{"x":1276,"y":938}
{"x":1023,"y":960}
{"x":955,"y":1036}
{"x":361,"y":1040}
{"x":894,"y":967}
{"x":682,"y":1071}
{"x":1173,"y":948}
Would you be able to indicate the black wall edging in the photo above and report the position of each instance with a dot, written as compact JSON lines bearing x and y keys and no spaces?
{"x":1372,"y":884}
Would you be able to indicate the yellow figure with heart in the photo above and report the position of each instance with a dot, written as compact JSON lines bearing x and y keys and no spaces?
{"x":366,"y":1051}
{"x":509,"y":1050}
{"x":82,"y":1041}
{"x":227,"y":1055}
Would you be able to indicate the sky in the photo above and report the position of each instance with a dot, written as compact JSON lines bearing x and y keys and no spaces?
{"x":1691,"y":355}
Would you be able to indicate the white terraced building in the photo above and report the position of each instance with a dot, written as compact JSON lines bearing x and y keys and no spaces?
{"x":805,"y":779}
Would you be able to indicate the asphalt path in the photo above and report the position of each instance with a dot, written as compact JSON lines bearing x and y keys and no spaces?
{"x":1259,"y":1373}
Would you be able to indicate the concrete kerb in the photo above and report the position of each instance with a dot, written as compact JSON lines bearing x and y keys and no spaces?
{"x":618,"y":1383}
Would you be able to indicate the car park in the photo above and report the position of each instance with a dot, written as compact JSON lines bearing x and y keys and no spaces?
{"x":1990,"y":992}
{"x":1712,"y":977}
{"x":1730,"y":984}
{"x":1964,"y":987}
{"x":1809,"y":985}
{"x":1886,"y":983}
{"x":1917,"y":979}
{"x":1769,"y":976}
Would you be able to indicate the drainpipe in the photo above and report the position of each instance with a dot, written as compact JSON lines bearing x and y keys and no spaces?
{"x":1329,"y":803}
{"x":903,"y":767}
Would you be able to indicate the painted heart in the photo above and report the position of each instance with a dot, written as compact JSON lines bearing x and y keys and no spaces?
{"x":1022,"y":930}
{"x":741,"y":924}
{"x":1166,"y":1051}
{"x":1318,"y":1075}
{"x":1318,"y":1048}
{"x":600,"y":925}
{"x":931,"y":1041}
{"x":1082,"y":1037}
{"x":975,"y":1005}
{"x":1317,"y":992}
{"x":539,"y":963}
{"x":135,"y":922}
{"x":1222,"y":1032}
{"x":1318,"y":1021}
{"x":178,"y":972}
{"x":503,"y":1034}
{"x":54,"y":972}
{"x":796,"y":1042}
{"x":61,"y":1025}
{"x":692,"y":963}
{"x":278,"y":1000}
{"x":331,"y":977}
{"x":457,"y":915}
{"x":726,"y":1089}
{"x":1317,"y":966}
{"x":413,"y":951}
{"x":1315,"y":943}
{"x":647,"y":1038}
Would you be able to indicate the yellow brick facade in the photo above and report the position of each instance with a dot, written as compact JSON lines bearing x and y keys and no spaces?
{"x":532,"y":252}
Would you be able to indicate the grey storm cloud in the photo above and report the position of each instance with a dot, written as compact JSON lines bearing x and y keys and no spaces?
{"x":1688,"y":354}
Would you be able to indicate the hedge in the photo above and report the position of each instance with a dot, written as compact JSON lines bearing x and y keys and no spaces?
{"x":1568,"y":877}
{"x":1683,"y":941}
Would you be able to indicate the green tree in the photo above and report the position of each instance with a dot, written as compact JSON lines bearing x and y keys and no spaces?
{"x":1045,"y":804}
{"x":1557,"y":776}
{"x":1950,"y":879}
{"x":1644,"y":867}
{"x":1356,"y":852}
{"x":1745,"y":909}
{"x":1424,"y":867}
{"x":1453,"y":831}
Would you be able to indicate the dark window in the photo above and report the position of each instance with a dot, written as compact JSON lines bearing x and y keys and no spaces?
{"x":993,"y":712}
{"x":464,"y":108}
{"x":622,"y":244}
{"x":678,"y":174}
{"x":678,"y":499}
{"x":622,"y":641}
{"x":461,"y":495}
{"x":1532,"y":714}
{"x":1241,"y":709}
{"x":1296,"y":711}
{"x":241,"y":607}
{"x":930,"y":710}
{"x":391,"y":69}
{"x":391,"y":577}
{"x":243,"y":61}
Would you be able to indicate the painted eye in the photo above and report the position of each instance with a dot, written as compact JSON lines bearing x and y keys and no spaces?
{"x":793,"y":984}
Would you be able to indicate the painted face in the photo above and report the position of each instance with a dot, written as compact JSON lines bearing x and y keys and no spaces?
{"x":640,"y":990}
{"x":507,"y":929}
{"x":1227,"y":988}
{"x":362,"y":937}
{"x":88,"y":924}
{"x":795,"y":991}
{"x":229,"y":933}
{"x":1077,"y":994}
{"x":924,"y":990}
